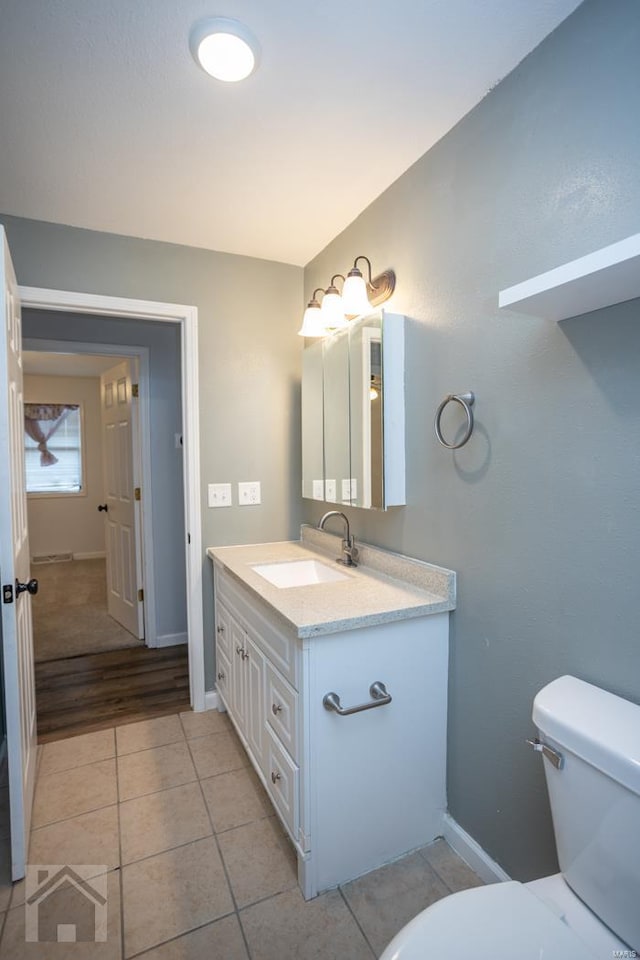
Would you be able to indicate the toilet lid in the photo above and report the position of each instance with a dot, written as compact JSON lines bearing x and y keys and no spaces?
{"x":503,"y":921}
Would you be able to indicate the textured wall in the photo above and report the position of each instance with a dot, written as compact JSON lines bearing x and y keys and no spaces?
{"x":540,"y":512}
{"x":248,"y":314}
{"x":70,"y":524}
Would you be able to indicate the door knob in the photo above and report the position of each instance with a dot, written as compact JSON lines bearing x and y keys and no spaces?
{"x":104,"y":506}
{"x":31,"y":586}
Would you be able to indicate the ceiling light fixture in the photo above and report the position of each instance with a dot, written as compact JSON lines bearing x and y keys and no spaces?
{"x":224,"y":48}
{"x":359,"y":295}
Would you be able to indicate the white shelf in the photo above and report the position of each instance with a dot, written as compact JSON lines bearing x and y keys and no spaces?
{"x":607,"y":276}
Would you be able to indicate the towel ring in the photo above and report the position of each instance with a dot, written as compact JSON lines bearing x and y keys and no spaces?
{"x":466,"y":401}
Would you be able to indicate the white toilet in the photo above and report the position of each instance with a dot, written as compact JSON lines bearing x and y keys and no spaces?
{"x":590,"y":909}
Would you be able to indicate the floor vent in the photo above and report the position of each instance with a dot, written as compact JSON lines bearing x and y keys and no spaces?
{"x":52,"y":558}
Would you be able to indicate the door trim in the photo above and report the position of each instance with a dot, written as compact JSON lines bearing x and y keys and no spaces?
{"x":66,"y":301}
{"x":143,"y":454}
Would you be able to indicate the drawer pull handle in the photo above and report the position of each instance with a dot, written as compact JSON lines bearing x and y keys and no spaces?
{"x":275,"y":776}
{"x":239,"y":651}
{"x":377,"y":690}
{"x":276,"y":708}
{"x":221,"y":676}
{"x":244,"y":654}
{"x":220,"y":628}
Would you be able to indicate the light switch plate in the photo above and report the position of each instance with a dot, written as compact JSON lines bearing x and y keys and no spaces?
{"x":249,"y":493}
{"x":219,"y":494}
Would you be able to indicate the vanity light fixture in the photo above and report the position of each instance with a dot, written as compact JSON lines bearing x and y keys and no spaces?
{"x":312,"y":323}
{"x":332,"y":310}
{"x":359,"y":296}
{"x":224,"y":48}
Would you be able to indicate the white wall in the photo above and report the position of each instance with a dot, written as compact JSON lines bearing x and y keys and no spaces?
{"x":70,"y":524}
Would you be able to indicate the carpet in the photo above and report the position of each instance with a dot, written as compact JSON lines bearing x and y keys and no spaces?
{"x":70,"y":611}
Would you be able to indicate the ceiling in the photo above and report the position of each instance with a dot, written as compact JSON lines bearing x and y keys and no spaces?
{"x":107,"y":123}
{"x":65,"y":364}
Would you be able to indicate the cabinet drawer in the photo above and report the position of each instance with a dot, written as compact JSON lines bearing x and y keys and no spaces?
{"x":282,"y":783}
{"x":279,"y":646}
{"x":223,"y":630}
{"x":223,"y":674}
{"x":281,"y":706}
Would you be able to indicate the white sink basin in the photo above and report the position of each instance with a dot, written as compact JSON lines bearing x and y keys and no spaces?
{"x":298,"y":573}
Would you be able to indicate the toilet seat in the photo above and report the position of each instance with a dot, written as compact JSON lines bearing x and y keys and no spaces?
{"x":503,"y":921}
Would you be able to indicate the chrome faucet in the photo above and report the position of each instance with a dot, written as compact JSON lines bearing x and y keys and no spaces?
{"x":349,"y":549}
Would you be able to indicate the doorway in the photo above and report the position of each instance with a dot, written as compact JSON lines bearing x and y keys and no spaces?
{"x":77,"y":610}
{"x":184,"y":318}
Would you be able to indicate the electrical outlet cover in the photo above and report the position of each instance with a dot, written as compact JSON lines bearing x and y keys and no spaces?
{"x":249,"y":493}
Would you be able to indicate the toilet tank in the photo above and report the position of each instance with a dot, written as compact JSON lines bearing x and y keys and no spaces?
{"x":595,"y":797}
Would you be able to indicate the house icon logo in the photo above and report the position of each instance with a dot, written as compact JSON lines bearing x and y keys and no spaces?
{"x":66,"y":903}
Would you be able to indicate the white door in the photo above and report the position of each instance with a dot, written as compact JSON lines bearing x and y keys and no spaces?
{"x":124,"y":567}
{"x":17,"y":636}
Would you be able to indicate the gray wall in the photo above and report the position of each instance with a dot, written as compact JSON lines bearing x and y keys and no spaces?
{"x":540,"y":512}
{"x":248,"y":315}
{"x":163,"y":342}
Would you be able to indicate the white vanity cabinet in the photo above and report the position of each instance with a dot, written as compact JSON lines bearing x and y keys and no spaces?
{"x":353,"y":791}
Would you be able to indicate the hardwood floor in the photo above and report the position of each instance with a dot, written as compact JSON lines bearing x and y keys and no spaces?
{"x":80,"y":694}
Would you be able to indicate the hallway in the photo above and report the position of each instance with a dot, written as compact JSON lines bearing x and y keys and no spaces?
{"x":70,"y":615}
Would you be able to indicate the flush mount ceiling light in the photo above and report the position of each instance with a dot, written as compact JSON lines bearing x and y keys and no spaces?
{"x":224,"y":48}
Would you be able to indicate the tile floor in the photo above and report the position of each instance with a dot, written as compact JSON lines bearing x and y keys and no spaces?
{"x":199,"y":867}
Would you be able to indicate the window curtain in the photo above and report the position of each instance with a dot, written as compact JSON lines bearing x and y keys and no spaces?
{"x":41,"y":420}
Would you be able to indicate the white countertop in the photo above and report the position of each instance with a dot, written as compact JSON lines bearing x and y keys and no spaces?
{"x":384,"y":587}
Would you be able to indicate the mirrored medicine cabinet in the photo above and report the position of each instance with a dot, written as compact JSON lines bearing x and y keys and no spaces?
{"x":353,"y":415}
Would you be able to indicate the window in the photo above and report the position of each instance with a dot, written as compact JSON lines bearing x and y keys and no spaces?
{"x":53,"y":448}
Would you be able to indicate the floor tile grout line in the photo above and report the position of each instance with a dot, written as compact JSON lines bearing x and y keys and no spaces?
{"x":224,"y":865}
{"x":80,"y":766}
{"x":179,"y":936}
{"x":183,"y":739}
{"x":121,"y":878}
{"x":152,"y":793}
{"x":75,"y":816}
{"x":356,"y":921}
{"x":159,"y":853}
{"x":155,"y":746}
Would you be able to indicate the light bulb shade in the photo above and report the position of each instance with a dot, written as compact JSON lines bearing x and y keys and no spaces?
{"x":224,"y":48}
{"x":312,"y":323}
{"x":333,"y":311}
{"x":355,"y":301}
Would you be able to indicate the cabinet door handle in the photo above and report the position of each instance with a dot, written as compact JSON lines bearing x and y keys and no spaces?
{"x":244,"y":655}
{"x":377,"y":690}
{"x":275,"y":776}
{"x":220,"y":628}
{"x":221,"y":676}
{"x":276,"y":708}
{"x":239,"y":651}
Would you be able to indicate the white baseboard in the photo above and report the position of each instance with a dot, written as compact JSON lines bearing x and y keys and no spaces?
{"x":210,"y":700}
{"x":471,"y":852}
{"x":96,"y":555}
{"x":169,"y":640}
